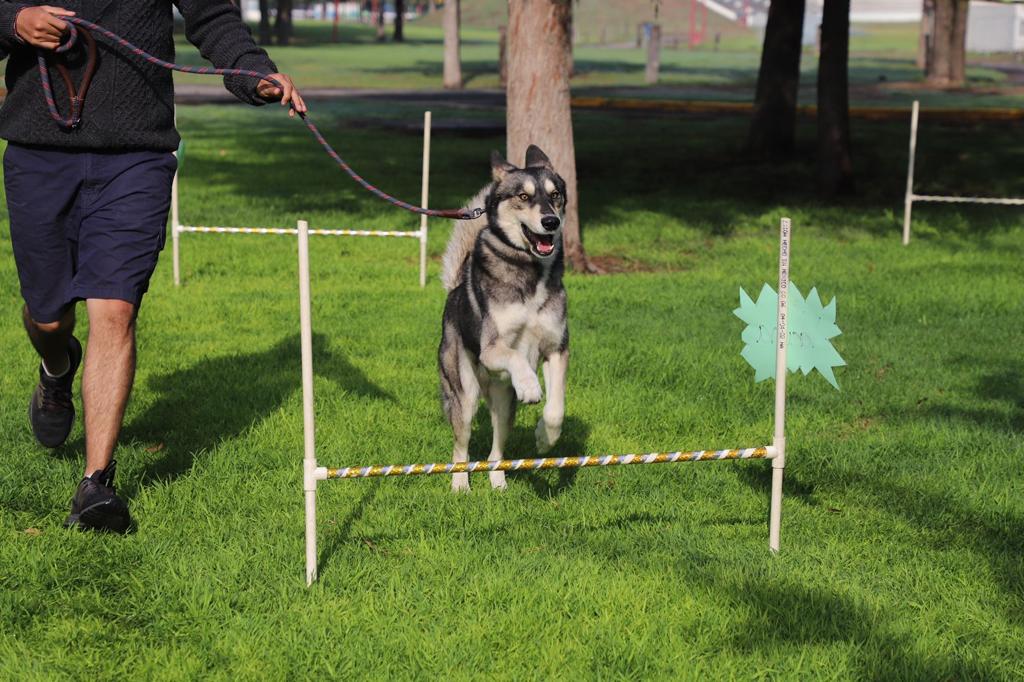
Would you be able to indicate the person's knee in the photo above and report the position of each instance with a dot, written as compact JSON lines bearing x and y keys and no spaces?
{"x":64,"y":323}
{"x":111,"y":319}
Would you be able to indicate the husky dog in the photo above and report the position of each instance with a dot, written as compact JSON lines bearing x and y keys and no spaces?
{"x":506,"y":308}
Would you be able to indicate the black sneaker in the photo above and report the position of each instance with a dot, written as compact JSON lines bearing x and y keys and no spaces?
{"x":51,"y":411}
{"x":96,"y":507}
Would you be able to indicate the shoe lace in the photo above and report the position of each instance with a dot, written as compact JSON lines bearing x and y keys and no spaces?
{"x":54,"y":397}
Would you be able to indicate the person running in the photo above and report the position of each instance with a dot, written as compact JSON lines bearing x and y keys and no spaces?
{"x":88,"y":202}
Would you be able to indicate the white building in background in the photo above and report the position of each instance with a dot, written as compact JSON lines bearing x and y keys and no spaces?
{"x":995,"y":27}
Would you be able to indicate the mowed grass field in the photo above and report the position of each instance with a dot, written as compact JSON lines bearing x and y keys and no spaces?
{"x":903,"y":522}
{"x":882,"y":70}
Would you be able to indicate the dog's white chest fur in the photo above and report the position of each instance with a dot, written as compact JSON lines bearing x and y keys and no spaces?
{"x":529,"y":328}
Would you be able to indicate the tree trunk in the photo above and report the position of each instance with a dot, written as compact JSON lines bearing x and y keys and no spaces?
{"x":773,"y":126}
{"x":452,"y":46}
{"x":958,"y":44}
{"x":399,"y":33}
{"x":942,"y":42}
{"x":283,"y":25}
{"x":503,"y":55}
{"x":926,"y":34}
{"x":835,"y":167}
{"x":653,"y":56}
{"x":538,"y":110}
{"x":379,"y":18}
{"x":264,"y":29}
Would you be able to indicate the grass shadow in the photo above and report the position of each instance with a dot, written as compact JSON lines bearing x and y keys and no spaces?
{"x":189,"y":418}
{"x":344,"y":529}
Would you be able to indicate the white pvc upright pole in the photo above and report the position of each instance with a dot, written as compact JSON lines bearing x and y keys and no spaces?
{"x":175,"y":232}
{"x":779,"y":441}
{"x":309,"y":459}
{"x":908,"y":200}
{"x":424,"y":198}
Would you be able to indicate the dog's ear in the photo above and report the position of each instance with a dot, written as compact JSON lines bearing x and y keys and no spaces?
{"x":535,"y":158}
{"x":499,"y":166}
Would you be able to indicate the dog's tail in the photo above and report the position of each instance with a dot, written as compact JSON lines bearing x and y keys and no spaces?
{"x":462,"y":242}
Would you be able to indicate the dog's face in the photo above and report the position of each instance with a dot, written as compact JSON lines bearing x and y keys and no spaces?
{"x":529,"y":203}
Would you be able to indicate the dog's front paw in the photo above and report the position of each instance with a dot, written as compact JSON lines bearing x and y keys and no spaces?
{"x":527,"y":389}
{"x":546,"y":436}
{"x":460,"y":483}
{"x":498,"y":480}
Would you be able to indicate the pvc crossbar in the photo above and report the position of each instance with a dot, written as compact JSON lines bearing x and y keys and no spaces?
{"x":910,"y":197}
{"x":313,"y":474}
{"x":177,"y":229}
{"x":766,"y":452}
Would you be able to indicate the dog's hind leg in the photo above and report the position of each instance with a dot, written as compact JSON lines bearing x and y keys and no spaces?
{"x":501,"y":398}
{"x":460,"y":396}
{"x":549,"y":428}
{"x":462,"y":422}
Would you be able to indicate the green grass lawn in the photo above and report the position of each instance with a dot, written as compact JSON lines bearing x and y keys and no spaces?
{"x":882,"y":70}
{"x":903,"y":521}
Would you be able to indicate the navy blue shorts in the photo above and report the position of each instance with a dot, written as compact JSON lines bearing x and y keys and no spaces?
{"x":85,"y":224}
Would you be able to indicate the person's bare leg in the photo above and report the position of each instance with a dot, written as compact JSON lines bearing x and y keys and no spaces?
{"x":51,"y":339}
{"x":108,"y":376}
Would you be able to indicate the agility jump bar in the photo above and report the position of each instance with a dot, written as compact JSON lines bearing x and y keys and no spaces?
{"x":312,"y":473}
{"x":766,"y":452}
{"x":910,"y":197}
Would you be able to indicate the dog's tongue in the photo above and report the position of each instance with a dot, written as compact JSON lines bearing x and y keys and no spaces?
{"x":545,"y":249}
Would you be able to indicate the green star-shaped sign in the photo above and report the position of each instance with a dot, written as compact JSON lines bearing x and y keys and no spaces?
{"x":811,"y":326}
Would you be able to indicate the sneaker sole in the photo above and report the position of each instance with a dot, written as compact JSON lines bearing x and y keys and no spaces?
{"x":103,"y":516}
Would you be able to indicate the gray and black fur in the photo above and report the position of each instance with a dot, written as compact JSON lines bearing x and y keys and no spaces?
{"x":506,"y":308}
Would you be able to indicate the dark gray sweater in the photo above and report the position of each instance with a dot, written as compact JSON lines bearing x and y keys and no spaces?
{"x":130,"y":103}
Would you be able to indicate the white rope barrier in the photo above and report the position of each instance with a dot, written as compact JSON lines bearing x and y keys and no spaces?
{"x":291,"y":230}
{"x":967,"y":200}
{"x":910,"y":197}
{"x":177,"y":229}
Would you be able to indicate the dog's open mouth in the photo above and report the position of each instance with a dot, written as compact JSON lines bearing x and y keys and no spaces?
{"x":543,"y":244}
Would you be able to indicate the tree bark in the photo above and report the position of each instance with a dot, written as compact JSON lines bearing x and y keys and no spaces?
{"x":452,"y":46}
{"x":283,"y":25}
{"x":264,"y":29}
{"x":538,"y":101}
{"x":942,"y":42}
{"x":835,"y":166}
{"x":399,"y":33}
{"x":958,"y":44}
{"x":773,"y":126}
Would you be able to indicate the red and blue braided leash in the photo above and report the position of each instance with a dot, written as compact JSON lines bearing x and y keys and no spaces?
{"x":74,"y":118}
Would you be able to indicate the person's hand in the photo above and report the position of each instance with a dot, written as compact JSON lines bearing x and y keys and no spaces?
{"x":286,"y":92}
{"x":41,"y":26}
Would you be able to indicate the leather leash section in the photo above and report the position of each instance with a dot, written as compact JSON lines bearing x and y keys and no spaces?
{"x":76,"y":96}
{"x":78,"y":25}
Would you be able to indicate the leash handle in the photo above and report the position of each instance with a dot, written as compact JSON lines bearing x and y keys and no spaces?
{"x":77,"y":24}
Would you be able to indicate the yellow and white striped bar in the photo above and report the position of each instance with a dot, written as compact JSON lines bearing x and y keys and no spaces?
{"x":291,"y":230}
{"x":764,"y":452}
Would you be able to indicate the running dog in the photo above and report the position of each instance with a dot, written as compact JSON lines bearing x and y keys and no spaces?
{"x":506,"y":308}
